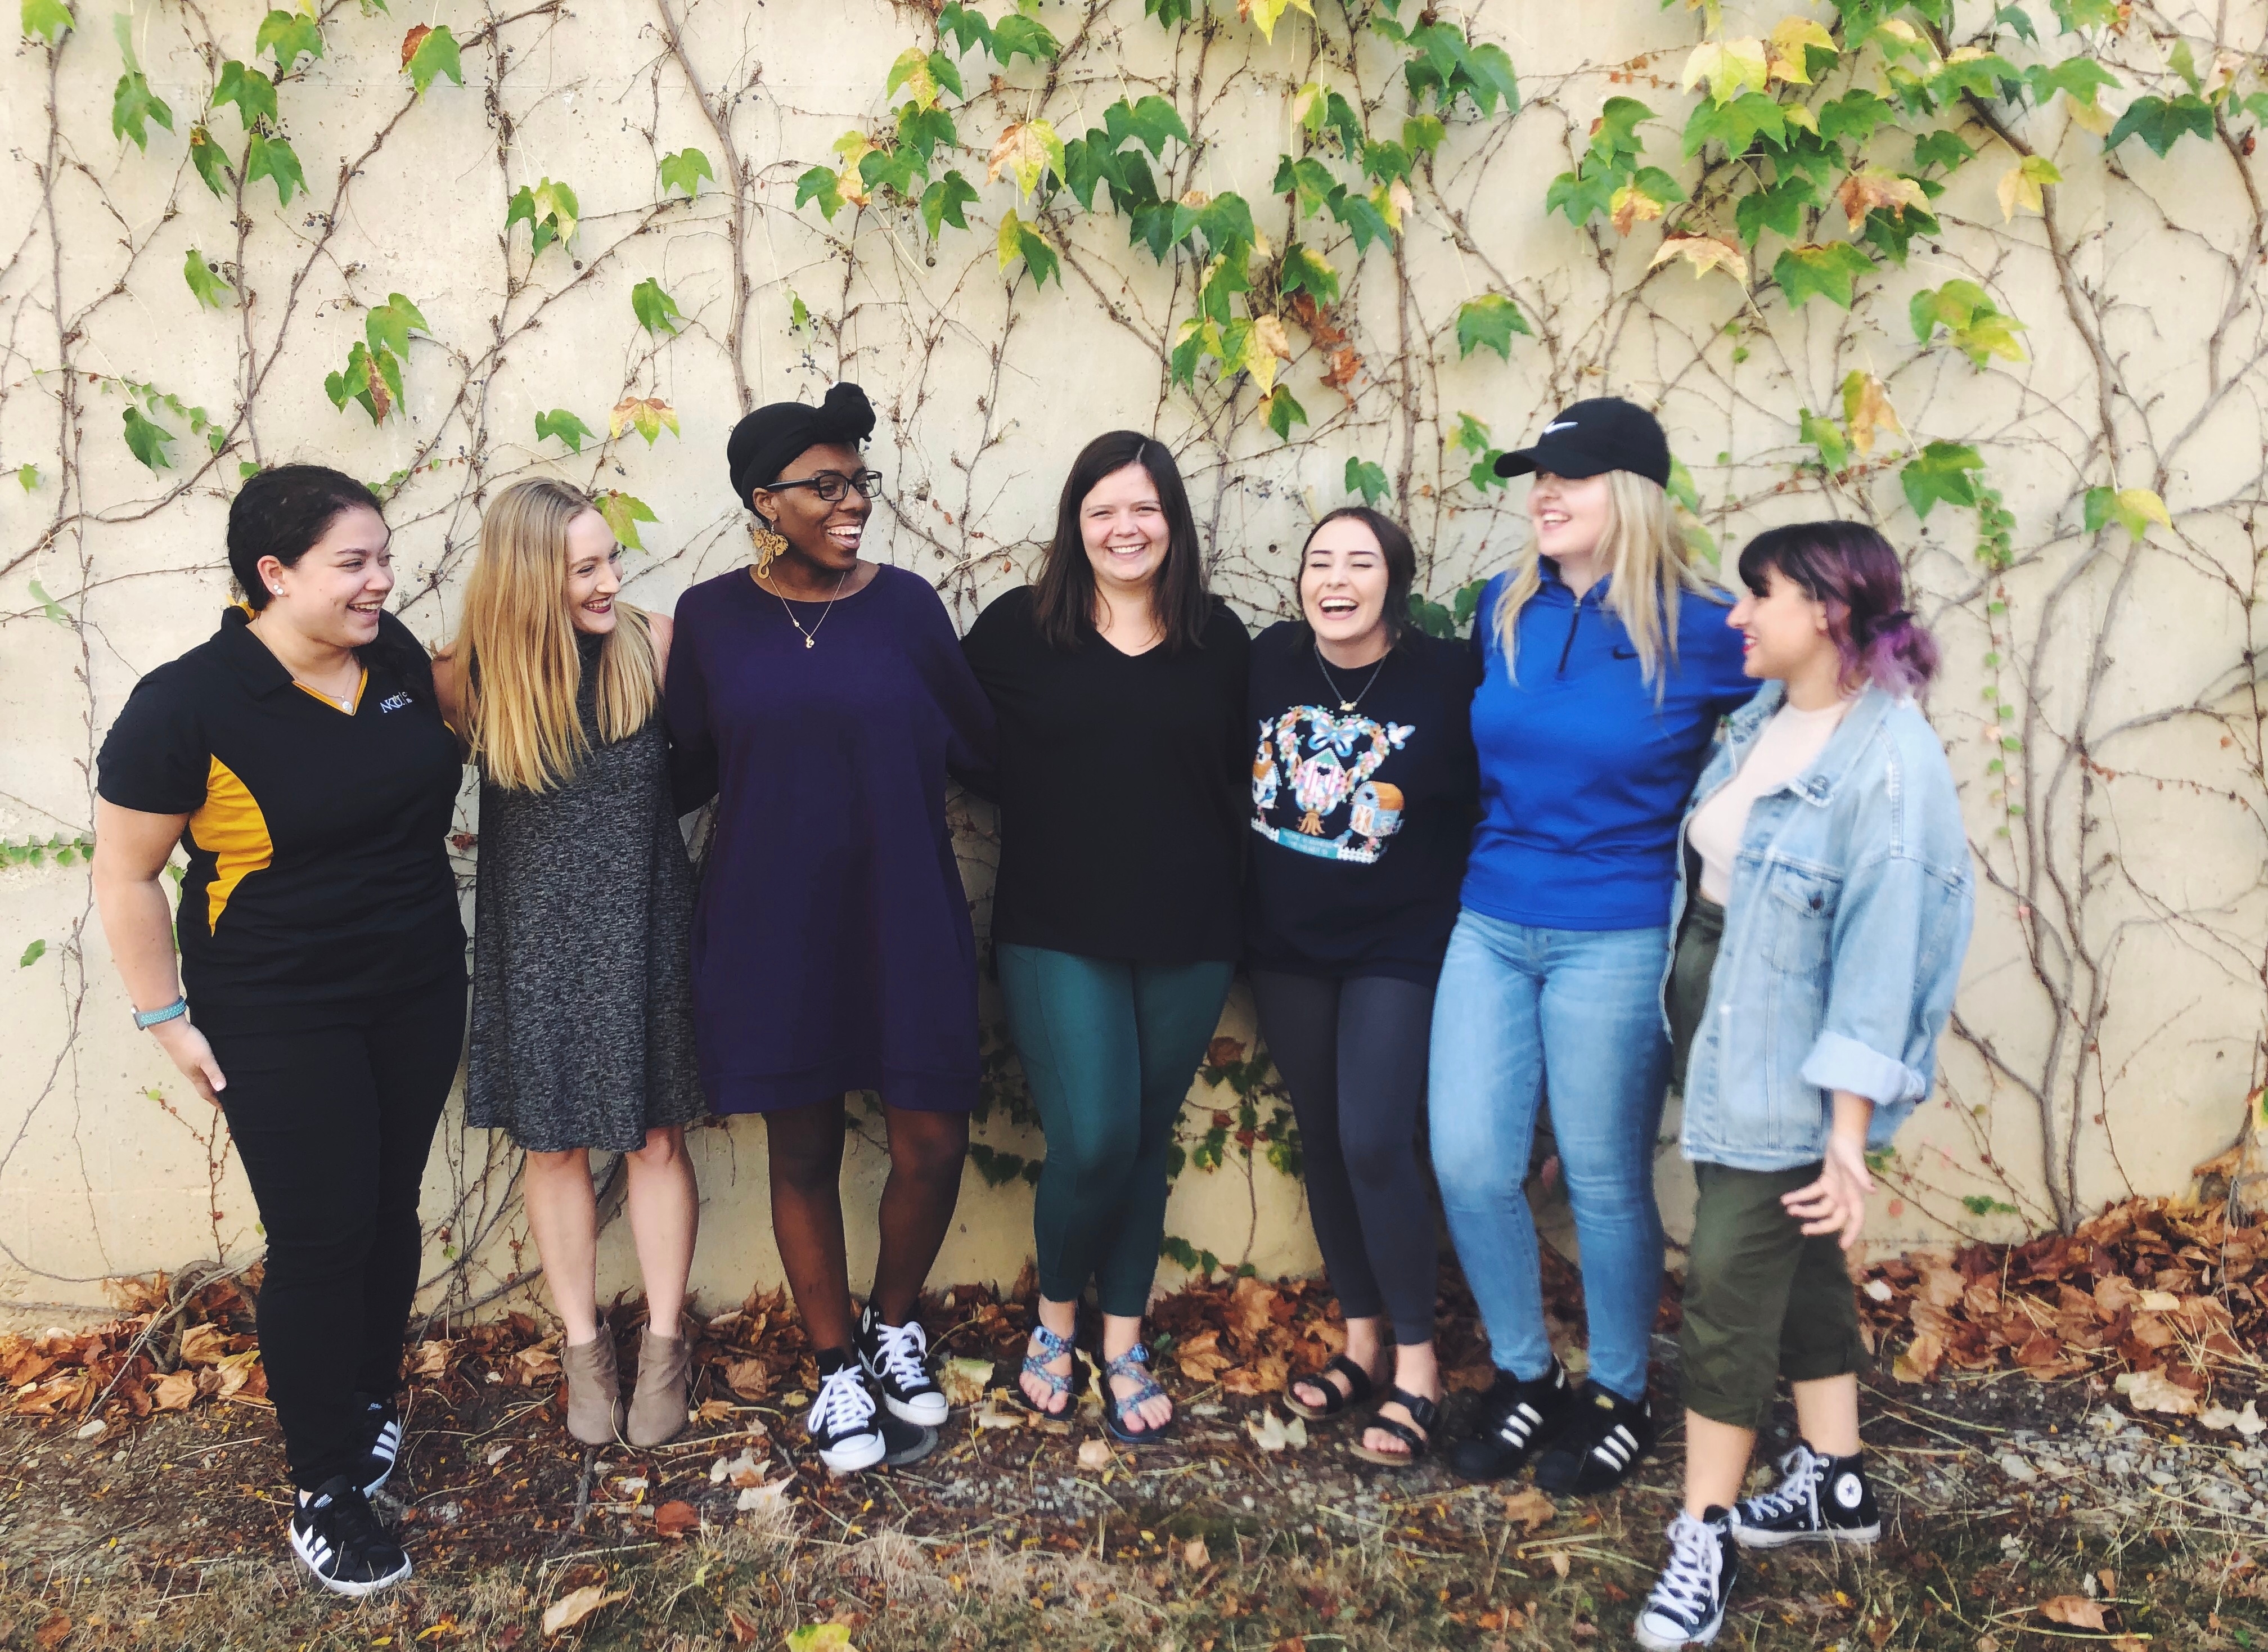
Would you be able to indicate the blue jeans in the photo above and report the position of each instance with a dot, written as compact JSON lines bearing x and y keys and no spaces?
{"x":1523,"y":1013}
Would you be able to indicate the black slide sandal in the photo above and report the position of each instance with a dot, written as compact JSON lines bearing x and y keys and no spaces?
{"x":1361,"y":1387}
{"x":1425,"y":1413}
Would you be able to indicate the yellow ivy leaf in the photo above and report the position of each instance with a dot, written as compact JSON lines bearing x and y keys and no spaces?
{"x":1866,"y":410}
{"x":1391,"y":200}
{"x":1967,"y":54}
{"x":1704,"y":253}
{"x":1630,"y":206}
{"x":912,"y":71}
{"x":1730,"y":67}
{"x":1870,"y":187}
{"x":1264,"y":13}
{"x":854,"y":147}
{"x":1899,"y":29}
{"x":2094,"y":118}
{"x":1789,"y":42}
{"x":1011,"y":238}
{"x":1800,"y":114}
{"x":1028,"y":148}
{"x":2139,"y":505}
{"x":1268,"y":333}
{"x":644,"y":415}
{"x":2022,"y":184}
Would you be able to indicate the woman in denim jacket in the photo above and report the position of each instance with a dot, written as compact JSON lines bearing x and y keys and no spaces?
{"x":1813,"y":970}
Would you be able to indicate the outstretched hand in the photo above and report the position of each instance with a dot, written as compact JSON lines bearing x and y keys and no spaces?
{"x":1836,"y":1202}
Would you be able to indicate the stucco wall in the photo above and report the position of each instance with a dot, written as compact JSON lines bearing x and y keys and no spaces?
{"x":2116,"y":970}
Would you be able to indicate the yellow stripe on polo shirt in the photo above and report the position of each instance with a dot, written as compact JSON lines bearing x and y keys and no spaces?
{"x":361,"y":683}
{"x":229,"y":826}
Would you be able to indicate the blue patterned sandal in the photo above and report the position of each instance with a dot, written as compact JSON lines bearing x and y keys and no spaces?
{"x":1134,"y":1366}
{"x":1052,"y":1348}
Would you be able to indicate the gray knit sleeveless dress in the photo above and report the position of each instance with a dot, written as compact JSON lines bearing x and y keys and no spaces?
{"x":582,"y":1027}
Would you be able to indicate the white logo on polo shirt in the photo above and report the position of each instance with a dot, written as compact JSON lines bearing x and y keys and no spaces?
{"x":394,"y":702}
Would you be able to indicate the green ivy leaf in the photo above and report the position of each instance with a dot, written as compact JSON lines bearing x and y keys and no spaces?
{"x":435,"y":54}
{"x":2075,"y":15}
{"x":890,"y":168}
{"x":1368,"y":479}
{"x":823,"y":184}
{"x":685,"y":170}
{"x":1779,"y":206}
{"x":2019,"y":20}
{"x":210,"y":161}
{"x":1490,"y":322}
{"x":1363,"y":219}
{"x":2133,"y":509}
{"x":28,"y":475}
{"x":47,"y":20}
{"x":2160,"y":121}
{"x":266,"y":157}
{"x":289,"y":36}
{"x":798,"y":315}
{"x":252,"y":92}
{"x":211,"y":291}
{"x":1945,"y":148}
{"x":388,"y":326}
{"x":1422,"y":134}
{"x":1827,"y":437}
{"x":1430,"y":617}
{"x":147,"y":439}
{"x":1941,"y":471}
{"x":654,"y":310}
{"x":1584,"y":194}
{"x":1281,"y":411}
{"x":1471,"y":435}
{"x":1307,"y":270}
{"x":133,"y":105}
{"x":1853,"y":117}
{"x":966,"y":28}
{"x":944,"y":202}
{"x":54,"y":611}
{"x":1015,"y":34}
{"x":2081,"y":78}
{"x":912,"y":71}
{"x":563,"y":424}
{"x":1150,"y":122}
{"x":32,"y":954}
{"x":1736,"y":125}
{"x":623,"y":514}
{"x":1826,"y":272}
{"x":922,"y":132}
{"x":1019,"y":240}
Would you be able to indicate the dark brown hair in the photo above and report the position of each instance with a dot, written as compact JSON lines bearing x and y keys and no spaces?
{"x":1063,"y":597}
{"x":1401,"y":567}
{"x":281,"y":512}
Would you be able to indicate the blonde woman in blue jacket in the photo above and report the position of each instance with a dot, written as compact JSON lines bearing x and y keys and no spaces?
{"x":1813,"y":972}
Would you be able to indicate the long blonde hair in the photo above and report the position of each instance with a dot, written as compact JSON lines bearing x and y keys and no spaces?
{"x":1642,"y":557}
{"x":517,"y":651}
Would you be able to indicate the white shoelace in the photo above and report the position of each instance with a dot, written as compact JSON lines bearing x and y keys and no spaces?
{"x":1800,"y":1490}
{"x":904,"y":1354}
{"x":843,"y":1407}
{"x":1687,"y":1587}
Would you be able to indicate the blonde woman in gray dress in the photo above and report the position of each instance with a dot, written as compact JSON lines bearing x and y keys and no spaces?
{"x":582,"y":1034}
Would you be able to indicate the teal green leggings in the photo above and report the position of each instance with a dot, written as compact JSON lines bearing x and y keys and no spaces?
{"x":1109,"y":1049}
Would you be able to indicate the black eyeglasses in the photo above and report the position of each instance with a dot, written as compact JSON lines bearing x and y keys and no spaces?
{"x":833,"y":485}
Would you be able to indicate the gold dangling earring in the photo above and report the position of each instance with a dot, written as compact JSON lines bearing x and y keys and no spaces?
{"x":769,"y":544}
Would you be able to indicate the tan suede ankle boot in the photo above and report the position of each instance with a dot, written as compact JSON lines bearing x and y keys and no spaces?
{"x":665,"y":1372}
{"x":595,"y":1389}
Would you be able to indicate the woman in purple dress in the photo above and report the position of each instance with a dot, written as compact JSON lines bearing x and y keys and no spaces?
{"x":822,"y":699}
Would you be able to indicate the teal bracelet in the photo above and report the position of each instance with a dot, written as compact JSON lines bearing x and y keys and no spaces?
{"x":145,"y":1018}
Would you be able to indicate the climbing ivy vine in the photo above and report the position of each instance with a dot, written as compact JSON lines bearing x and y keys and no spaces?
{"x":1988,"y":274}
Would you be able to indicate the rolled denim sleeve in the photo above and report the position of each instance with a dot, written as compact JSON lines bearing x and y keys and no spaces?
{"x":1877,"y":961}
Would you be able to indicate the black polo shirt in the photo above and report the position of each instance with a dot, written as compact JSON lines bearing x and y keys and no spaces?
{"x":316,"y":838}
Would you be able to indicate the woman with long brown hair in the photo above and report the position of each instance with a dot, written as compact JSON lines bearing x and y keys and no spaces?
{"x":582,"y":1021}
{"x":1118,"y":681}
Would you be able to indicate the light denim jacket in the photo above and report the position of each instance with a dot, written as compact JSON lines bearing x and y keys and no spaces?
{"x":1849,"y":915}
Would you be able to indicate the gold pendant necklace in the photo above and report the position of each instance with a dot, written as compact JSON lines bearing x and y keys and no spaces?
{"x":811,"y":637}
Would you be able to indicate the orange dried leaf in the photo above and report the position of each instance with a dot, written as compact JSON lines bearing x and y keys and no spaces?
{"x":2075,"y":1610}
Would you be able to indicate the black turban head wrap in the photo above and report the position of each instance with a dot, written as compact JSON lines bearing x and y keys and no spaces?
{"x":768,"y":440}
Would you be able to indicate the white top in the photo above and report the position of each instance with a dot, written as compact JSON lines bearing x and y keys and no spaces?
{"x":1791,"y":739}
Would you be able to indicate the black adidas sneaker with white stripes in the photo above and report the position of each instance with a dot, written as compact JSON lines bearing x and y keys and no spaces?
{"x":1819,"y":1500}
{"x":1601,"y":1441}
{"x":381,"y":1436}
{"x":339,"y":1539}
{"x":1518,"y":1417}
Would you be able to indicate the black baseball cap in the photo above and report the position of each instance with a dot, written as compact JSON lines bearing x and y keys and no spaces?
{"x":1592,"y":437}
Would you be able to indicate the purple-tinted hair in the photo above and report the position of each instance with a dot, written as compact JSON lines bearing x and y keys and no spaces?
{"x":1854,"y":571}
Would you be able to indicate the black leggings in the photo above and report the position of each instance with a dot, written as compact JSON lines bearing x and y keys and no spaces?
{"x":1353,"y":1054}
{"x":333,"y":1110}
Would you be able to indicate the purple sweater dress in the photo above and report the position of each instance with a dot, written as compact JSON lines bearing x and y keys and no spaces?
{"x":831,"y":942}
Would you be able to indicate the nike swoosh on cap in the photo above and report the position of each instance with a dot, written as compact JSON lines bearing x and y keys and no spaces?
{"x":1563,"y":424}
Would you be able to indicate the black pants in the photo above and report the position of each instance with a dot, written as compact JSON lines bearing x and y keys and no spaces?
{"x":1353,"y":1054}
{"x":333,"y":1110}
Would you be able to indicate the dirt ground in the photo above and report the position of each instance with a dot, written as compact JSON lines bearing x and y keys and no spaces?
{"x":2023,"y":1513}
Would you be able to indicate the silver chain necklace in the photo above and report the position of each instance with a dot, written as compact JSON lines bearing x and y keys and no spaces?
{"x":1339,"y":694}
{"x":811,"y":637}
